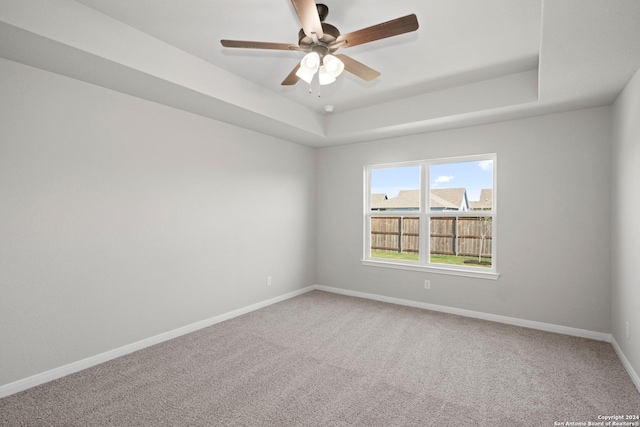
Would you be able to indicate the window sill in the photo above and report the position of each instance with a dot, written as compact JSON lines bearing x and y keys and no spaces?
{"x":489,"y":275}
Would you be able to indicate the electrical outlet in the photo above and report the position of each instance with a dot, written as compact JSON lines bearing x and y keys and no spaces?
{"x":427,"y":284}
{"x":628,"y":336}
{"x":268,"y":280}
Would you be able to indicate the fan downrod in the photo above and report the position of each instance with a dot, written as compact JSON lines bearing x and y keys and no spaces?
{"x":323,"y":11}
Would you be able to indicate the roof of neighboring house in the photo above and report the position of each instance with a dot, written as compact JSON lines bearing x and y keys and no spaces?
{"x":404,"y":199}
{"x":485,"y":201}
{"x":377,"y":198}
{"x":448,"y":198}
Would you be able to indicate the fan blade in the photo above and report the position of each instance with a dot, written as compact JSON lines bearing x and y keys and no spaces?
{"x":358,"y":68}
{"x":391,"y":28}
{"x":291,"y":79}
{"x":258,"y":45}
{"x":308,"y":15}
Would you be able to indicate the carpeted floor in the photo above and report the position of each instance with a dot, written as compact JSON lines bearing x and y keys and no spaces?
{"x":323,"y":359}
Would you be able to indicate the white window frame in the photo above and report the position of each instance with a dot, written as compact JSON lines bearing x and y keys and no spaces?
{"x":425,"y":214}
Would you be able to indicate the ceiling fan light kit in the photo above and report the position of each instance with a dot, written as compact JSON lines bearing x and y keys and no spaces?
{"x":327,"y":72}
{"x":320,"y":40}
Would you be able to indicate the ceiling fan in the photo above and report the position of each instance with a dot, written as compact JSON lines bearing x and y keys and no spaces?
{"x":320,"y":40}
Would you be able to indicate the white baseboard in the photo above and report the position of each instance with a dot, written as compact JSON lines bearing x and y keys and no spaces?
{"x":600,"y":336}
{"x":632,"y":373}
{"x":41,"y":378}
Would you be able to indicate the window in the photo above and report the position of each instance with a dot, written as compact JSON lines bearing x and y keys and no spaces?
{"x":432,"y":215}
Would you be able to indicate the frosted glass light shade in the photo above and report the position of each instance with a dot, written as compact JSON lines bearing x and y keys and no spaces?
{"x":324,"y":76}
{"x":308,"y":66}
{"x":333,"y":65}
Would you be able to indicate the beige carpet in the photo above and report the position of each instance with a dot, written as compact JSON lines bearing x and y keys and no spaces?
{"x":322,"y":359}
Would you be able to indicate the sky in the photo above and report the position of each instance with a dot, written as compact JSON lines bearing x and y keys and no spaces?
{"x":474,"y":176}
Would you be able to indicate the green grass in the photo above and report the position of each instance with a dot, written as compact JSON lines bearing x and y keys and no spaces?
{"x":407,"y":256}
{"x":458,"y":260}
{"x":439,"y":259}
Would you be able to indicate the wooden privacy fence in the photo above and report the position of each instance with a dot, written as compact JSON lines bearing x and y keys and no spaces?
{"x":462,"y":236}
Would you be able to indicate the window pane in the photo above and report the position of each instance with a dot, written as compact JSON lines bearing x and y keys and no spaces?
{"x":461,"y":186}
{"x":395,"y":189}
{"x":395,"y":237}
{"x":461,"y":241}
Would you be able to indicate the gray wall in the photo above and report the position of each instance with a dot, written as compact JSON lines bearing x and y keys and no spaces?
{"x":121,"y":219}
{"x":625,"y":252}
{"x":553,"y":219}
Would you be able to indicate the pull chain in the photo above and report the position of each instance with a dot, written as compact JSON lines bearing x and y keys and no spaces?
{"x":311,"y":87}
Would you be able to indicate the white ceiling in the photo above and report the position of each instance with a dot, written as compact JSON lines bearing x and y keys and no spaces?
{"x":469,"y":62}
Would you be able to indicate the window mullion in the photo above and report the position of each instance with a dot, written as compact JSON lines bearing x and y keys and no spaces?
{"x":425,"y":241}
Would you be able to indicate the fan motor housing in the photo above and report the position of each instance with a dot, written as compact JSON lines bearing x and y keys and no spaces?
{"x":331,"y":33}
